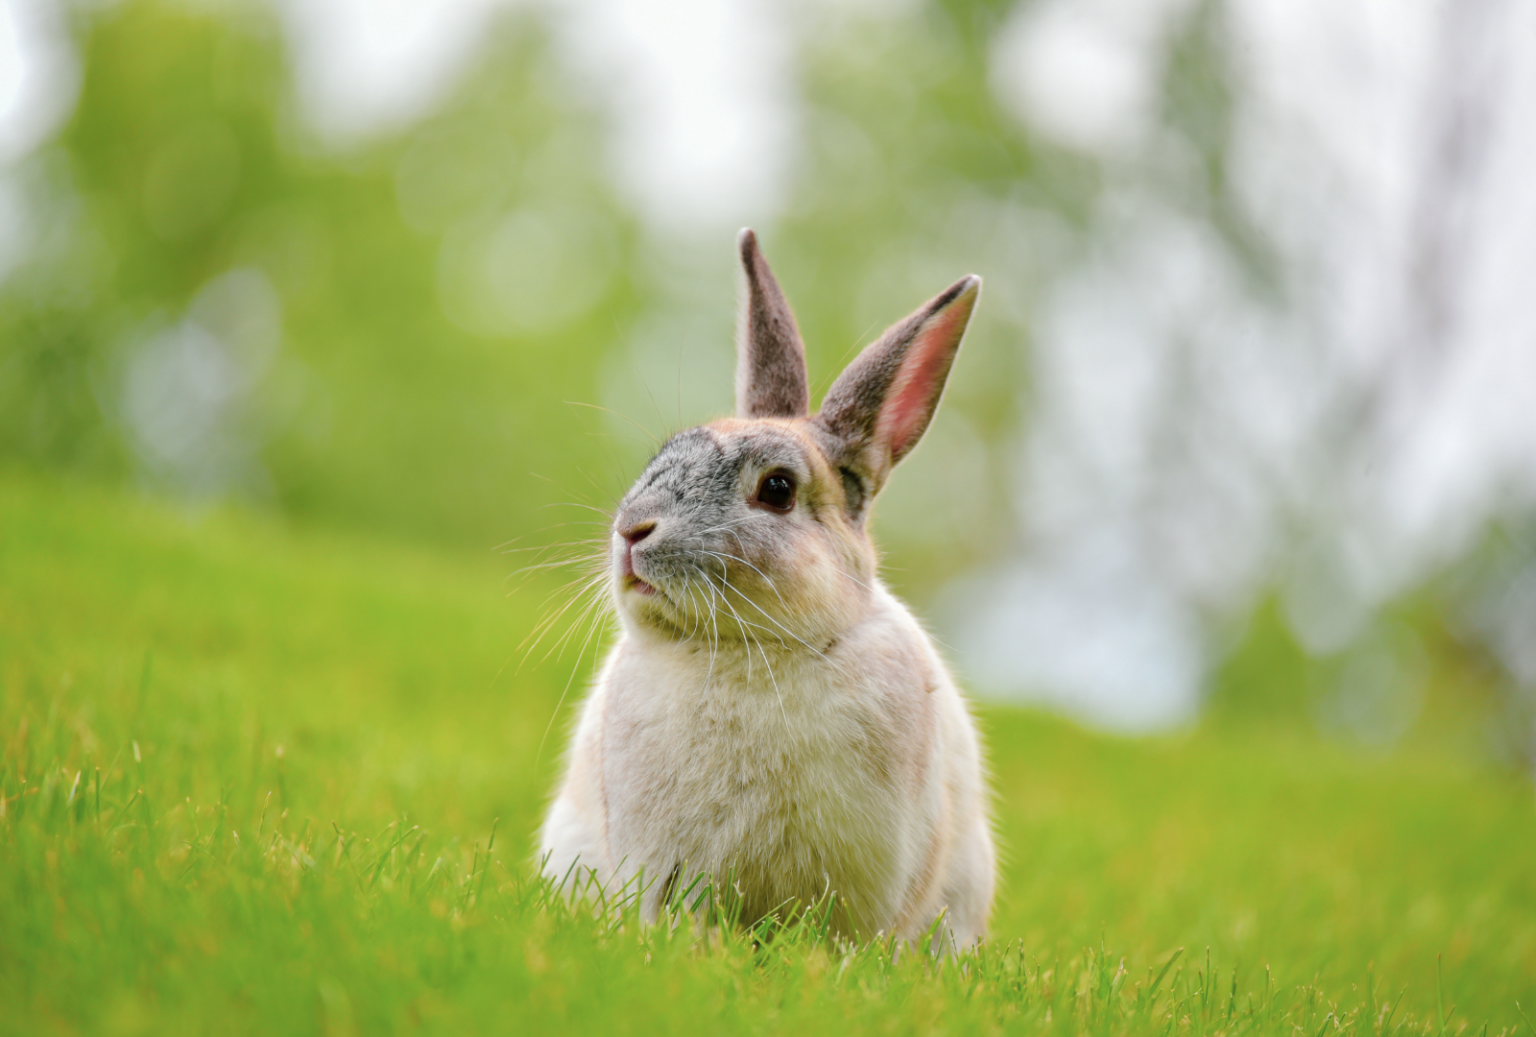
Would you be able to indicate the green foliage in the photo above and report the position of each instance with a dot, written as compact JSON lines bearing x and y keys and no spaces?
{"x":413,"y":392}
{"x":260,"y":779}
{"x":1267,"y":677}
{"x":183,"y":161}
{"x":425,"y":384}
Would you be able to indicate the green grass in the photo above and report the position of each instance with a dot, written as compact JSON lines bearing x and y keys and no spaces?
{"x":251,"y":775}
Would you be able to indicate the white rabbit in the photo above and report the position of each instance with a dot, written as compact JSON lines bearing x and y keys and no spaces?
{"x":771,"y":714}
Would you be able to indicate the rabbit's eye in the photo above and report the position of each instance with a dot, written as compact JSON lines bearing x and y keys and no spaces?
{"x":777,"y":491}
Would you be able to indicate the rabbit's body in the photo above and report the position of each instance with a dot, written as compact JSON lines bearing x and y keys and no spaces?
{"x":772,"y":715}
{"x":853,"y":771}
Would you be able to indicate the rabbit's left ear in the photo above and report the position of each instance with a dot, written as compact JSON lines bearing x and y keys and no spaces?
{"x":880,"y":406}
{"x":770,"y":357}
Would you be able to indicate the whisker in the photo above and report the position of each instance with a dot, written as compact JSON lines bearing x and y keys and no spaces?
{"x":562,"y":486}
{"x":586,"y":613}
{"x":773,"y":679}
{"x":577,"y":504}
{"x":854,"y":578}
{"x":749,"y":601}
{"x":626,"y":417}
{"x":559,"y":704}
{"x":542,"y":629}
{"x":709,"y":613}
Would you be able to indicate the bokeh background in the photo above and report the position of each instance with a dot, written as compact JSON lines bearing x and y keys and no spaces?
{"x":1245,"y":424}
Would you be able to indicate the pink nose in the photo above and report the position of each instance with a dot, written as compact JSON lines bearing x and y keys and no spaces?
{"x":632,"y":536}
{"x":638,"y":532}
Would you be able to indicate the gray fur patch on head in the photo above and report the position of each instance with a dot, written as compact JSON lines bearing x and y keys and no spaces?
{"x":697,"y":489}
{"x":689,"y":466}
{"x":724,"y":562}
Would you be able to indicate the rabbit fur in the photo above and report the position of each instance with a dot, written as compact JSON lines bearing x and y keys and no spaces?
{"x":771,"y":715}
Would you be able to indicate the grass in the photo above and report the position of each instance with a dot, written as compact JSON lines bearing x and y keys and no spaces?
{"x":269,"y":779}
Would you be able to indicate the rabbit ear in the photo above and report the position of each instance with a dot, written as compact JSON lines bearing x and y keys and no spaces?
{"x":880,"y":406}
{"x":770,"y":358}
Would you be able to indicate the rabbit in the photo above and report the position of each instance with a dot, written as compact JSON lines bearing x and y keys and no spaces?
{"x":771,"y":715}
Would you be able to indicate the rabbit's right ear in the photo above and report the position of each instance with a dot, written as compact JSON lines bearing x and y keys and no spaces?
{"x":770,"y":358}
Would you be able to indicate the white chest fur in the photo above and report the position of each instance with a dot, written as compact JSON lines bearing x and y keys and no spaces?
{"x":797,"y":782}
{"x":799,"y":775}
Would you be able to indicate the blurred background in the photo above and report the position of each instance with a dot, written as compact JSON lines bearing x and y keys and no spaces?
{"x":1245,"y":425}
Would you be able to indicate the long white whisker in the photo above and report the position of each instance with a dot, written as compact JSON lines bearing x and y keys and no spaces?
{"x":714,"y":625}
{"x":706,"y":621}
{"x":725,"y":577}
{"x":589,"y":611}
{"x":539,"y":632}
{"x":741,"y":621}
{"x":749,"y":601}
{"x":852,"y":577}
{"x":731,"y":528}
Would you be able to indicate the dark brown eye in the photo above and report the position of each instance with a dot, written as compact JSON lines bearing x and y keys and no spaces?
{"x":777,"y":491}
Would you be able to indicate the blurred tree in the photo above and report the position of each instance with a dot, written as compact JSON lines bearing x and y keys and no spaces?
{"x":182,"y":162}
{"x":1156,"y":431}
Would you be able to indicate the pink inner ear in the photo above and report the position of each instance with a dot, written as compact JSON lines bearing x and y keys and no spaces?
{"x":907,"y":409}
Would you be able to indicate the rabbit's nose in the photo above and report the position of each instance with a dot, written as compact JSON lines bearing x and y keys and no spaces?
{"x":632,"y":536}
{"x":638,"y":532}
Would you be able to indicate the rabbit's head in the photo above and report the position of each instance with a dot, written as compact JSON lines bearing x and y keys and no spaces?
{"x":751,"y":530}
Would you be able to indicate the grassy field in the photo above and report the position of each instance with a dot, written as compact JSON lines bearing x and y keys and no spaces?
{"x":252,"y":775}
